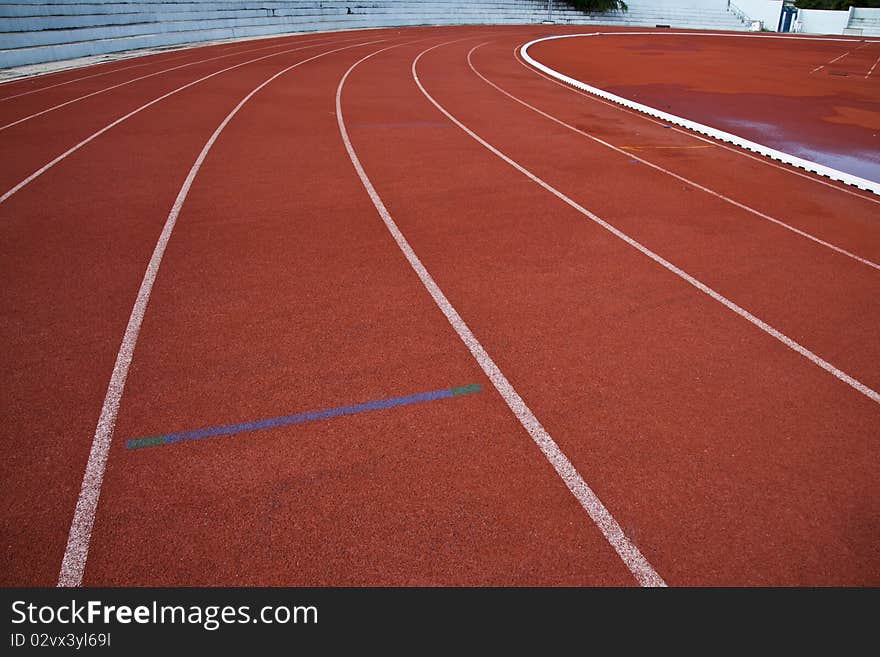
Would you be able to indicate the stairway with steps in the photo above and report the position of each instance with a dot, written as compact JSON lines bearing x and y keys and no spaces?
{"x":864,"y":22}
{"x":35,"y":31}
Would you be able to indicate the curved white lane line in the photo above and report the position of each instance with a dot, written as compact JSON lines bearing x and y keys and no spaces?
{"x":116,"y":70}
{"x":661,"y":169}
{"x":839,"y":57}
{"x":872,"y":68}
{"x":808,"y":165}
{"x":720,"y":144}
{"x":629,"y":553}
{"x":144,"y":77}
{"x":39,"y":172}
{"x":702,"y":287}
{"x":77,"y":550}
{"x":85,"y":77}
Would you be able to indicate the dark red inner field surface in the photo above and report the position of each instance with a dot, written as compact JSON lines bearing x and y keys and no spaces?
{"x":781,"y":92}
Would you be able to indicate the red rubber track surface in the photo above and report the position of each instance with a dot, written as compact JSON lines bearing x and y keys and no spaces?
{"x":725,"y":456}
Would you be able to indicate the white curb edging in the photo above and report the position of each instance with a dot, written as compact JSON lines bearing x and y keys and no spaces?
{"x":807,"y":165}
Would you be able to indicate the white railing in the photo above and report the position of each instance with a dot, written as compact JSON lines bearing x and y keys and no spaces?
{"x":739,"y":13}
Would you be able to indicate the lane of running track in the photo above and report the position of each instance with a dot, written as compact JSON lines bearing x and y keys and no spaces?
{"x":823,"y":299}
{"x":728,"y":457}
{"x":50,"y":89}
{"x":37,"y":140}
{"x":39,"y":83}
{"x":22,"y":106}
{"x":282,"y":292}
{"x":76,"y":242}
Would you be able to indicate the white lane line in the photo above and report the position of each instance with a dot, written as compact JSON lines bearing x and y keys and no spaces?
{"x":661,"y":169}
{"x":821,"y":66}
{"x":784,"y":339}
{"x":125,"y":68}
{"x":77,"y":550}
{"x":40,"y":77}
{"x":39,"y":172}
{"x":838,"y":58}
{"x":808,"y":165}
{"x":133,"y":80}
{"x":872,"y":68}
{"x":85,"y":77}
{"x":629,"y":553}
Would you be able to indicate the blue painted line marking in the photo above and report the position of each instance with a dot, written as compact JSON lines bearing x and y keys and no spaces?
{"x":300,"y":418}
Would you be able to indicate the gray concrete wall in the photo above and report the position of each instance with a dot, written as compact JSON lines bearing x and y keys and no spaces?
{"x":35,"y":31}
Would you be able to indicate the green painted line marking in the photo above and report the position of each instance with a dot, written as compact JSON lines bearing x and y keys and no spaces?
{"x":466,"y":390}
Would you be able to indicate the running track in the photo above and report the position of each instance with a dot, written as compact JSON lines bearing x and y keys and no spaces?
{"x":677,"y":348}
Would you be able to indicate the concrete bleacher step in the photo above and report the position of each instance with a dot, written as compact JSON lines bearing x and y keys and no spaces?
{"x":33,"y":31}
{"x":865,"y":26}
